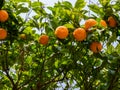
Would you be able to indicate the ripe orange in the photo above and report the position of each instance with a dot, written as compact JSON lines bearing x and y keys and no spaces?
{"x":112,"y":22}
{"x":79,"y":34}
{"x":61,"y":32}
{"x":43,"y":39}
{"x":3,"y":15}
{"x":96,"y":47}
{"x":103,"y":23}
{"x":22,"y":36}
{"x":3,"y":33}
{"x":90,"y":23}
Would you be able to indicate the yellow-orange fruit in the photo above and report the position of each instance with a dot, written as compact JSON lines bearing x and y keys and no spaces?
{"x":43,"y":39}
{"x":61,"y":32}
{"x":112,"y":22}
{"x":103,"y":23}
{"x":90,"y":23}
{"x":22,"y":36}
{"x":3,"y":33}
{"x":80,"y":34}
{"x":96,"y":47}
{"x":3,"y":15}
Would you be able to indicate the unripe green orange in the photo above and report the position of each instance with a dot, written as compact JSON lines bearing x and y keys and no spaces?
{"x":22,"y":36}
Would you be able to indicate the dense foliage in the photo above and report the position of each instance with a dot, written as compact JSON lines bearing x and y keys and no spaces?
{"x":25,"y":64}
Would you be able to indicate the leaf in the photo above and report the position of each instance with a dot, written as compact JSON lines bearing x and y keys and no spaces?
{"x":28,"y":30}
{"x":104,"y":2}
{"x":21,"y":0}
{"x":96,"y":9}
{"x":98,"y":63}
{"x":110,"y":49}
{"x":117,"y":48}
{"x":23,"y":10}
{"x":1,"y":73}
{"x":36,"y":4}
{"x":116,"y":6}
{"x":65,"y":62}
{"x":38,"y":7}
{"x":29,"y":60}
{"x":112,"y":38}
{"x":1,"y":3}
{"x":67,"y":4}
{"x":57,"y":63}
{"x":68,"y":25}
{"x":79,"y":4}
{"x":68,"y":12}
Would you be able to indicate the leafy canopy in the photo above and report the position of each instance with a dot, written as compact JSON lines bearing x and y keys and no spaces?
{"x":25,"y":64}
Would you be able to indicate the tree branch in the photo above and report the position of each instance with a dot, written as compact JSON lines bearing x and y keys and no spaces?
{"x":54,"y":79}
{"x":10,"y":78}
{"x":115,"y":77}
{"x":6,"y":69}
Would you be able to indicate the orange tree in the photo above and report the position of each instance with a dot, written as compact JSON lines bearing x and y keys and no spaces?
{"x":85,"y":59}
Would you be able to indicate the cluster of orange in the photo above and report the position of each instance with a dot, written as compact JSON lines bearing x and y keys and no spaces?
{"x":80,"y":34}
{"x":3,"y":17}
{"x":62,"y":32}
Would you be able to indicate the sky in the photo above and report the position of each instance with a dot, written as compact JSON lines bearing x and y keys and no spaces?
{"x":51,"y":2}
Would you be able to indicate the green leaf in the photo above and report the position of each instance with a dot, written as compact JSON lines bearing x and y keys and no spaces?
{"x":112,"y":38}
{"x":110,"y":49}
{"x":79,"y":4}
{"x":21,"y":0}
{"x":38,"y":7}
{"x":67,"y":5}
{"x":28,"y":30}
{"x":116,"y":6}
{"x":1,"y":73}
{"x":29,"y":60}
{"x":104,"y":2}
{"x":57,"y":63}
{"x":96,"y":9}
{"x":65,"y":62}
{"x":36,"y":4}
{"x":68,"y":25}
{"x":23,"y":10}
{"x":117,"y":48}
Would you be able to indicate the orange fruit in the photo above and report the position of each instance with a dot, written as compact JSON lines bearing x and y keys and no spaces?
{"x":3,"y":33}
{"x":112,"y":22}
{"x":103,"y":23}
{"x":3,"y":15}
{"x":96,"y":47}
{"x":90,"y":23}
{"x":43,"y":39}
{"x":22,"y":36}
{"x":79,"y":34}
{"x":61,"y":32}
